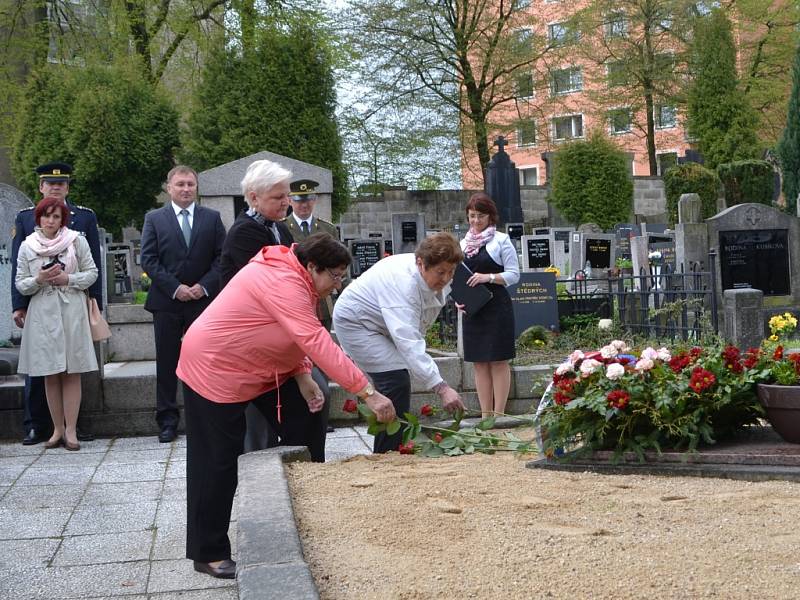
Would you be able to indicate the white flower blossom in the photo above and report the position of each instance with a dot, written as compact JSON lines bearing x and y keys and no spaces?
{"x":589,"y":366}
{"x":619,"y":345}
{"x":663,"y":354}
{"x":564,"y":368}
{"x":615,"y":371}
{"x":649,"y":353}
{"x":605,"y":324}
{"x":644,"y":364}
{"x":575,"y":356}
{"x":608,"y":352}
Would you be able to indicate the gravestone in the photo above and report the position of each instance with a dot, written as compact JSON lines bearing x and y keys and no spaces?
{"x":515,"y":231}
{"x":691,"y":234}
{"x":624,"y":233}
{"x":121,"y":256}
{"x":560,"y":246}
{"x":535,"y":302}
{"x":663,"y":243}
{"x":365,"y":254}
{"x":759,"y":247}
{"x":502,"y":185}
{"x":408,"y":230}
{"x":593,"y":250}
{"x":536,"y":252}
{"x":12,"y":200}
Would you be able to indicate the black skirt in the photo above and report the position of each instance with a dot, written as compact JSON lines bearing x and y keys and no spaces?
{"x":489,"y":333}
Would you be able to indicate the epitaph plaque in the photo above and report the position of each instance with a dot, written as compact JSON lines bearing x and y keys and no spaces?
{"x":624,"y":233}
{"x":534,"y":300}
{"x":597,"y":252}
{"x":12,"y":200}
{"x":757,"y":259}
{"x":408,"y":229}
{"x":536,"y":252}
{"x":365,"y":254}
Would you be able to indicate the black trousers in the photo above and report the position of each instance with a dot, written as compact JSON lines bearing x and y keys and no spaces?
{"x":395,"y":385}
{"x":37,"y":413}
{"x":214,"y":440}
{"x":169,"y":328}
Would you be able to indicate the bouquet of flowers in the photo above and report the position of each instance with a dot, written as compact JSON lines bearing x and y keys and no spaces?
{"x":782,"y":326}
{"x":654,"y":257}
{"x":615,"y":399}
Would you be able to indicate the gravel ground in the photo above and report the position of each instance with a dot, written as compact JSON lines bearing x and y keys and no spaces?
{"x":405,"y":527}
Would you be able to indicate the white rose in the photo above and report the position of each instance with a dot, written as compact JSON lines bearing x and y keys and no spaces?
{"x":608,"y":352}
{"x":649,"y":353}
{"x":615,"y":371}
{"x":575,"y":356}
{"x":589,"y":366}
{"x":564,"y":368}
{"x":644,"y":364}
{"x":663,"y":354}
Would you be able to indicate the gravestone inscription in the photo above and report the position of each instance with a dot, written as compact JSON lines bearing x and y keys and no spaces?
{"x":756,"y":259}
{"x":537,"y":252}
{"x":597,"y":252}
{"x":534,"y":300}
{"x":365,"y":254}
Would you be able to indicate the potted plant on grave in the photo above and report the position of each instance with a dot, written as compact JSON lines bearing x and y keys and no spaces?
{"x":624,"y":266}
{"x":779,"y":388}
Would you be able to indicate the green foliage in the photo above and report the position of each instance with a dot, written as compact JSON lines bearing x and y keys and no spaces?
{"x":279,"y":96}
{"x":116,"y":130}
{"x":691,"y":178}
{"x":719,"y":117}
{"x":747,"y":181}
{"x":789,"y":146}
{"x":533,"y":336}
{"x":592,"y":183}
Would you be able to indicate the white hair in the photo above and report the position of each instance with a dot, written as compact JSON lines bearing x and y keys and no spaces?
{"x":262,"y":175}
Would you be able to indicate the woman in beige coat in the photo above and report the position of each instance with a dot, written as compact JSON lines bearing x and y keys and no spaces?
{"x":55,"y":266}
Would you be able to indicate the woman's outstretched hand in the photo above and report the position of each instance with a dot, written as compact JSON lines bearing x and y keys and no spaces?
{"x":381,"y":406}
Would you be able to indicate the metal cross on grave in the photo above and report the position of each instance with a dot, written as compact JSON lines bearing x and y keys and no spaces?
{"x":501,"y":142}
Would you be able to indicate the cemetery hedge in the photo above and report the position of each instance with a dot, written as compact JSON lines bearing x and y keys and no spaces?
{"x":747,"y":181}
{"x":592,"y":183}
{"x":691,"y":178}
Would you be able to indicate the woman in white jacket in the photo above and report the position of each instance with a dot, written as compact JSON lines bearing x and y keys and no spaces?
{"x":55,"y":266}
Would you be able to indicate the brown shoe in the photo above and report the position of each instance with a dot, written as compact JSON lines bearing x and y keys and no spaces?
{"x":225,"y":570}
{"x":71,"y":446}
{"x":50,"y":444}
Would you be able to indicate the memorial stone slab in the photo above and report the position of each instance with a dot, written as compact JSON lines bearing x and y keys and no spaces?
{"x":12,"y":200}
{"x":595,"y":250}
{"x":560,"y":246}
{"x":536,"y":252}
{"x":515,"y":231}
{"x":408,"y":230}
{"x":624,"y":233}
{"x":535,"y":302}
{"x":758,"y":247}
{"x":664,"y":243}
{"x":365,"y":254}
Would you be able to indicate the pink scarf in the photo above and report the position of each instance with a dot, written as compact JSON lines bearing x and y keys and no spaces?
{"x":64,"y":241}
{"x":474,"y":240}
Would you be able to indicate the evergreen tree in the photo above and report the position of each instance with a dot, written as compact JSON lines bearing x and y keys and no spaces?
{"x":789,"y":145}
{"x":116,"y":130}
{"x":719,"y":117}
{"x":277,"y":95}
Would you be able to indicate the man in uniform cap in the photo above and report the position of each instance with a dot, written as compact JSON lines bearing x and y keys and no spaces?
{"x":302,"y":223}
{"x":54,"y":180}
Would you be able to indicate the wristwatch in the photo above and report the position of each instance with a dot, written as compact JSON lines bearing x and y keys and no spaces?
{"x":366,"y":392}
{"x":491,"y":278}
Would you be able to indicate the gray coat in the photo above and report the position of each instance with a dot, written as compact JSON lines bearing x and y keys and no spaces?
{"x":56,"y":336}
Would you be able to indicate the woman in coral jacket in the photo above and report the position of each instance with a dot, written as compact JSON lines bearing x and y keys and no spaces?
{"x":255,"y":343}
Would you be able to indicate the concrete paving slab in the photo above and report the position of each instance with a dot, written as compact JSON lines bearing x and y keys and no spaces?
{"x":42,"y":496}
{"x":175,"y":575}
{"x":341,"y":432}
{"x":170,"y":511}
{"x":97,"y":445}
{"x":277,"y":582}
{"x":86,"y":581}
{"x":353,"y":445}
{"x":65,"y":458}
{"x":132,"y":457}
{"x":57,"y":475}
{"x":139,"y":443}
{"x":170,"y":542}
{"x":112,"y":518}
{"x":174,"y":489}
{"x":104,"y":548}
{"x":228,"y":593}
{"x":17,"y":449}
{"x":121,"y":493}
{"x":11,"y":472}
{"x":33,"y":552}
{"x":130,"y":472}
{"x":176,"y":469}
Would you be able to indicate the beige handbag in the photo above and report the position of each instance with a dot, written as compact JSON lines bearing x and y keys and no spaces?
{"x":97,"y":324}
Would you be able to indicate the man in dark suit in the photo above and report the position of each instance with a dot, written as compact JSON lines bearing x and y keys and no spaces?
{"x":54,"y":179}
{"x":181,"y":246}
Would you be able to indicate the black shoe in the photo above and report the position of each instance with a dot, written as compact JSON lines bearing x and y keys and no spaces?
{"x":83,"y":435}
{"x":35,"y":436}
{"x":225,"y":570}
{"x":168,"y":434}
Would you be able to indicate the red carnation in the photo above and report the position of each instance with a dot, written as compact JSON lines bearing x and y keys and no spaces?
{"x":701,"y":379}
{"x":437,"y":437}
{"x":350,"y":406}
{"x":618,"y":399}
{"x":406,"y":448}
{"x":426,"y":410}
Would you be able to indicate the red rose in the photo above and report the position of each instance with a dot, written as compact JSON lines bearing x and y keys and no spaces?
{"x":437,"y":437}
{"x":426,"y":410}
{"x":350,"y":406}
{"x":406,"y":448}
{"x":618,"y":399}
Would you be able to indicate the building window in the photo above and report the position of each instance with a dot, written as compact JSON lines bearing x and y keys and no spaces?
{"x":565,"y":81}
{"x":522,"y":4}
{"x":526,"y":133}
{"x":566,"y":128}
{"x":617,"y":73}
{"x":616,"y":25}
{"x":619,"y":120}
{"x":665,"y":161}
{"x":529,"y":176}
{"x":704,"y":7}
{"x":665,"y":116}
{"x":523,"y":86}
{"x":560,"y":34}
{"x":522,"y":41}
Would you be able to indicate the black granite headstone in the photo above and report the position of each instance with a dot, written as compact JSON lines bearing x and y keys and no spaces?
{"x":534,"y":301}
{"x":538,"y":251}
{"x":625,"y":231}
{"x":541,"y":231}
{"x":515,"y":230}
{"x":365,"y":254}
{"x":409,"y":231}
{"x":667,"y":250}
{"x":562,"y":235}
{"x":598,"y":252}
{"x":756,"y":259}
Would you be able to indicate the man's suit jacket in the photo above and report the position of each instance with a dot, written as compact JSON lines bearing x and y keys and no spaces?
{"x":80,"y":219}
{"x":317,"y":226}
{"x":245,"y":239}
{"x":168,"y":262}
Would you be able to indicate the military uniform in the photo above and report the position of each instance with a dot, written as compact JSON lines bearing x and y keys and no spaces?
{"x":82,"y":219}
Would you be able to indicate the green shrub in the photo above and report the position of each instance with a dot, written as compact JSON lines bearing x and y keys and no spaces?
{"x":592,"y":182}
{"x":747,"y":181}
{"x":691,"y":178}
{"x":536,"y":335}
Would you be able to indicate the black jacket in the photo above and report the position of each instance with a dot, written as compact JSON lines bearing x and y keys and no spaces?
{"x":245,"y":238}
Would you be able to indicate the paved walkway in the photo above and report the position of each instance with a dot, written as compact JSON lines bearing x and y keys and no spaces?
{"x":108,"y":521}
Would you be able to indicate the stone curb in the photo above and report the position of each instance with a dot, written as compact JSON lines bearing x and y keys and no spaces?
{"x":270,"y":561}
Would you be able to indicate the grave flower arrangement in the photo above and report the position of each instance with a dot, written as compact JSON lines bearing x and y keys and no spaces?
{"x":615,"y":399}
